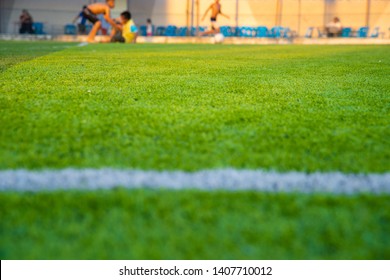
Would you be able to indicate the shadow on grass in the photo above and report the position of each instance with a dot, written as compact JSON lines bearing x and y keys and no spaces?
{"x":15,"y":52}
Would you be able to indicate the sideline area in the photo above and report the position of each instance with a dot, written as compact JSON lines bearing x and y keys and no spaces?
{"x":209,"y":40}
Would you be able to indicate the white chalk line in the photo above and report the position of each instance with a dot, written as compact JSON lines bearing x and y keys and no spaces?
{"x":227,"y":179}
{"x":82,"y":44}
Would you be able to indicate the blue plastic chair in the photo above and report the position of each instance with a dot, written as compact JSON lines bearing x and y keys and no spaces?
{"x":375,"y":33}
{"x":70,"y":29}
{"x":225,"y":30}
{"x":170,"y":30}
{"x":251,"y":32}
{"x":231,"y":31}
{"x":261,"y":32}
{"x":246,"y":31}
{"x":309,"y":32}
{"x":88,"y":28}
{"x":346,"y":32}
{"x":287,"y":33}
{"x":276,"y":32}
{"x":142,"y":30}
{"x":182,"y":31}
{"x":240,"y":31}
{"x":194,"y":31}
{"x":160,"y":31}
{"x":38,"y":28}
{"x":362,"y":32}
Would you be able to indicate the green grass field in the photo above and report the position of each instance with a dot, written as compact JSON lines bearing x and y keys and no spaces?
{"x":194,"y":107}
{"x":147,"y":224}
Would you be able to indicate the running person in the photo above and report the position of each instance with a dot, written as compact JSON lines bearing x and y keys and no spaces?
{"x":215,"y":11}
{"x":95,"y":9}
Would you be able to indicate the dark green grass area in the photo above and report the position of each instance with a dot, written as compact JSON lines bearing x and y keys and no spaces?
{"x":12,"y":53}
{"x":191,"y":107}
{"x":146,"y":224}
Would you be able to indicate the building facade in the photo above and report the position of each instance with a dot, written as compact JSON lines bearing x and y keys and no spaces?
{"x":296,"y":14}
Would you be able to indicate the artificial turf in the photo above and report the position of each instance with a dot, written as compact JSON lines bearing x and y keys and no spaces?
{"x":146,"y":224}
{"x":192,"y":107}
{"x":12,"y":53}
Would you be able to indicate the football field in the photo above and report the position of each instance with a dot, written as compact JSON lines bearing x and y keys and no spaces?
{"x":276,"y":110}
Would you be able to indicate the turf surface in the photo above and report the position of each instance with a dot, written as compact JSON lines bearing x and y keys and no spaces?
{"x":12,"y":53}
{"x":191,"y":107}
{"x":147,"y":224}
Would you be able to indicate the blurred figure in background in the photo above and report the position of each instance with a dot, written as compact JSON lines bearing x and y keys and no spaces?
{"x":26,"y":23}
{"x":128,"y":31}
{"x":149,"y":27}
{"x":216,"y":9}
{"x":334,"y":28}
{"x":91,"y":13}
{"x":81,"y":28}
{"x":105,"y":26}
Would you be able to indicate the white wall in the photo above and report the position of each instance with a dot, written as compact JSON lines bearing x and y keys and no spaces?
{"x":56,"y":13}
{"x":296,"y":14}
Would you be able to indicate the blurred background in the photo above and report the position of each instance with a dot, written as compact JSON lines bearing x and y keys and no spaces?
{"x":298,"y":15}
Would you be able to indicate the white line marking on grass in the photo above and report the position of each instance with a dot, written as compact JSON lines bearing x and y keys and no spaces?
{"x":82,"y":44}
{"x":229,"y":179}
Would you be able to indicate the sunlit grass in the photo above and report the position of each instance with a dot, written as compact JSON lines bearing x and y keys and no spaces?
{"x":191,"y":107}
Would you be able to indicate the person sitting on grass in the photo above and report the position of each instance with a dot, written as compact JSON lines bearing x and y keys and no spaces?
{"x":95,"y":9}
{"x":128,"y":32}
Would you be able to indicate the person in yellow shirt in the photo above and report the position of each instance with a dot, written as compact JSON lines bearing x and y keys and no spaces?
{"x":128,"y":31}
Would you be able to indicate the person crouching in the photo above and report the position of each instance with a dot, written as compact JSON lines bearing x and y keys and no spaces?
{"x":128,"y":32}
